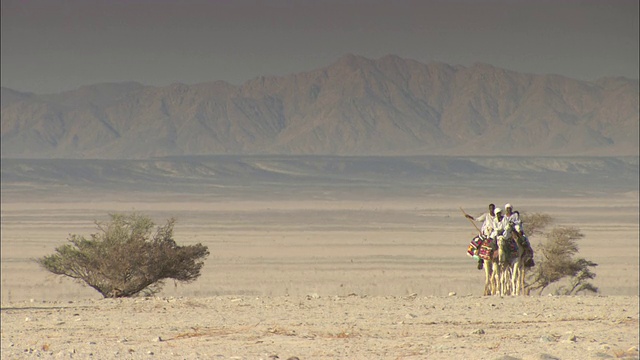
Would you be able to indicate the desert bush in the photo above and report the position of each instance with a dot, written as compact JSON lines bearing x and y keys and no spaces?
{"x":127,"y":257}
{"x":556,"y":261}
{"x":536,"y":223}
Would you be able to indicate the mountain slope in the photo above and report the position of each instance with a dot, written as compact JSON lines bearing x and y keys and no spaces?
{"x":355,"y":106}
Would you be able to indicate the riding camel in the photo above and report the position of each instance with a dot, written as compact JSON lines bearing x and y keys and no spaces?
{"x":504,"y":264}
{"x":505,"y":269}
{"x":519,"y":268}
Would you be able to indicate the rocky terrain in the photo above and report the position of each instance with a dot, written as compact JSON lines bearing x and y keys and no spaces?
{"x":324,"y":327}
{"x":355,"y":106}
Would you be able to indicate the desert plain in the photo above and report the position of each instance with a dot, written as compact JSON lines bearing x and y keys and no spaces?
{"x":322,"y":274}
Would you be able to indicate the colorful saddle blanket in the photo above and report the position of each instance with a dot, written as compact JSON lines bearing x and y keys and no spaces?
{"x":474,"y":245}
{"x":480,"y":248}
{"x":512,"y":248}
{"x":486,"y":251}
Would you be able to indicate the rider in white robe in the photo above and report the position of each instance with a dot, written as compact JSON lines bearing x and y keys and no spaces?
{"x":514,"y":219}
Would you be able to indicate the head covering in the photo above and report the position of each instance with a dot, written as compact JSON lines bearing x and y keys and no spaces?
{"x":508,"y":206}
{"x":497,"y":210}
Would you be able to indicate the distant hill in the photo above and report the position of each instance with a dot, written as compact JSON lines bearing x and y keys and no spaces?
{"x":355,"y":106}
{"x":313,"y":175}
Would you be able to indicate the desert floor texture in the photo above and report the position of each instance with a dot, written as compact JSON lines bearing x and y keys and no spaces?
{"x":319,"y":278}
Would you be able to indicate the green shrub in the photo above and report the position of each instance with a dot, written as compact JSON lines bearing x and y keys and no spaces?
{"x":126,"y":257}
{"x":556,"y":261}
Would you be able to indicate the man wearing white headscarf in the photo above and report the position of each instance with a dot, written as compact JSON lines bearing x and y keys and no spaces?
{"x":501,"y":226}
{"x":516,"y":223}
{"x":513,"y":218}
{"x":487,"y":220}
{"x":487,"y":226}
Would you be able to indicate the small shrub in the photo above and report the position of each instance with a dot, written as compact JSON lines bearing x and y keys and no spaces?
{"x":556,"y":261}
{"x":535,"y":223}
{"x":126,"y":257}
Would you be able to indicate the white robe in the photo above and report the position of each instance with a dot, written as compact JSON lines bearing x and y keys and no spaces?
{"x":487,"y":225}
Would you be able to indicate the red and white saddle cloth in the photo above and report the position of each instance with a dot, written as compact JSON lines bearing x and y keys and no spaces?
{"x":480,"y":248}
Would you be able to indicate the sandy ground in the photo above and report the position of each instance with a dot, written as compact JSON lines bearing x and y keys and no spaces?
{"x":325,"y":327}
{"x":339,"y":279}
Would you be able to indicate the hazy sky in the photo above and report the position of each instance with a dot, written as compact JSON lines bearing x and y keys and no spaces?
{"x":50,"y":46}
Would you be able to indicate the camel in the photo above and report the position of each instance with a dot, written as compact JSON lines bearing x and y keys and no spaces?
{"x":500,"y":277}
{"x":509,"y":265}
{"x":504,"y":267}
{"x":485,"y":251}
{"x":519,"y":269}
{"x":504,"y":276}
{"x":495,"y":271}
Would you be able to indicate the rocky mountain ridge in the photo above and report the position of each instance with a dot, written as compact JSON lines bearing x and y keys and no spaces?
{"x":355,"y":106}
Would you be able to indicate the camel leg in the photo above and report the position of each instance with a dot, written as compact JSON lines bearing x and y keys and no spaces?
{"x":515,"y":278}
{"x":502,"y":268}
{"x":487,"y":279}
{"x":495,"y":278}
{"x":518,"y":276}
{"x":505,"y":280}
{"x":521,"y":278}
{"x":523,"y":272}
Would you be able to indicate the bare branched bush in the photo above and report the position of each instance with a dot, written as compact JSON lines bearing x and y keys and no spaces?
{"x":535,"y":223}
{"x":556,"y":261}
{"x":127,"y":257}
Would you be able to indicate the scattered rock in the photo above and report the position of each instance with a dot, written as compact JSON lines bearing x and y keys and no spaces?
{"x":149,"y":352}
{"x":157,"y":339}
{"x":410,"y":316}
{"x":507,"y":357}
{"x":313,"y":296}
{"x":452,"y":293}
{"x":547,"y":357}
{"x":600,"y":355}
{"x":293,"y":358}
{"x":571,"y":338}
{"x":547,"y":338}
{"x":478,"y":332}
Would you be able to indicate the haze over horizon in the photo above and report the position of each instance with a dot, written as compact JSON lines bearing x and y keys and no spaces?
{"x":57,"y":46}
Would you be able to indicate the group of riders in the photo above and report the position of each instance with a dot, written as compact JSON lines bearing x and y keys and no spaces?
{"x":495,"y":225}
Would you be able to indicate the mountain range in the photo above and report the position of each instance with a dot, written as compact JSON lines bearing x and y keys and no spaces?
{"x":353,"y":107}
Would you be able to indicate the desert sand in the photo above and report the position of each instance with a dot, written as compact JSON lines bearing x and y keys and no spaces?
{"x":325,"y":327}
{"x":328,"y":278}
